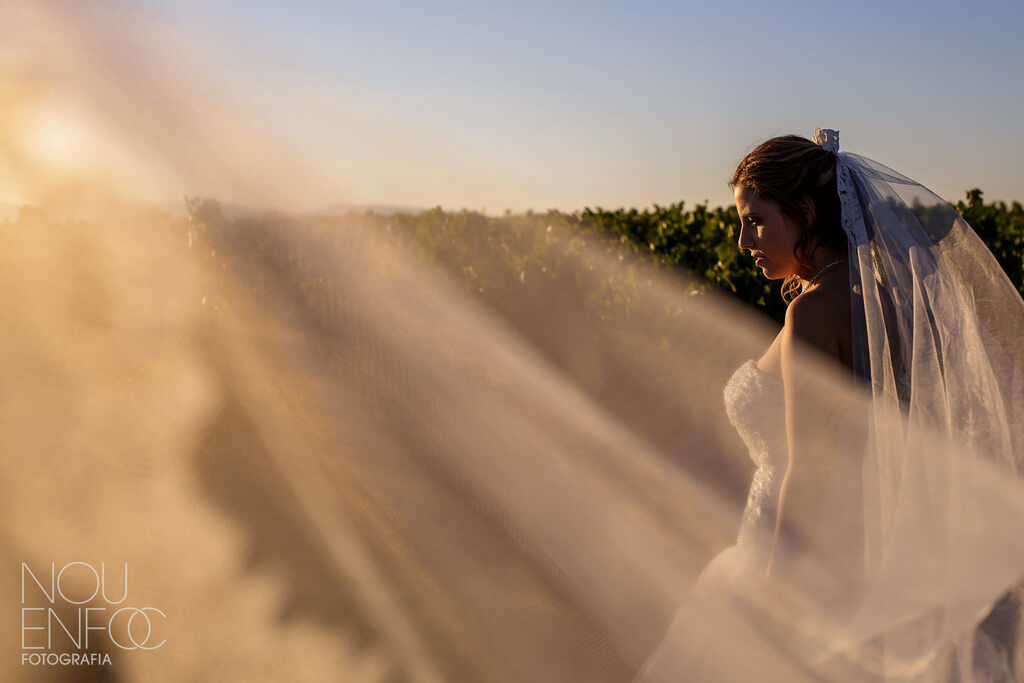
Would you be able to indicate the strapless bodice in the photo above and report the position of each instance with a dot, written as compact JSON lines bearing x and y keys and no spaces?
{"x":755,"y":404}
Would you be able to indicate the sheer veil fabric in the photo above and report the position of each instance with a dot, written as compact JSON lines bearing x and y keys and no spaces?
{"x":327,"y":448}
{"x":942,"y":324}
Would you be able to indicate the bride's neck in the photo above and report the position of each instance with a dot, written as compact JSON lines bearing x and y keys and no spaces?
{"x":822,"y":258}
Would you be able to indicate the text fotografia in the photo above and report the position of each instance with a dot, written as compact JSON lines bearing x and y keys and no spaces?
{"x":65,"y":659}
{"x":68,"y":611}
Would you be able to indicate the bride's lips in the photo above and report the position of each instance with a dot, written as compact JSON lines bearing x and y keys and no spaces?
{"x":758,"y":260}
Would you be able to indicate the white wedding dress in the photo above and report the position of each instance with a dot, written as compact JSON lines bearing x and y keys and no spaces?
{"x":754,"y":402}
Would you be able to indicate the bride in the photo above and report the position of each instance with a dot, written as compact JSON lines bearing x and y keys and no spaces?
{"x":887,"y":285}
{"x":790,"y":221}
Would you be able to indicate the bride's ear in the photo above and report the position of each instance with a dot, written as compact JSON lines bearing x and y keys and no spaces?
{"x":806,"y":205}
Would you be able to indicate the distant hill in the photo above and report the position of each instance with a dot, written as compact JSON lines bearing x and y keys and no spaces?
{"x":363,"y":208}
{"x":10,"y":211}
{"x":236,"y":210}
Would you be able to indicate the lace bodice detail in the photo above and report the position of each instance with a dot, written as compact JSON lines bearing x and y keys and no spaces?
{"x":754,"y":402}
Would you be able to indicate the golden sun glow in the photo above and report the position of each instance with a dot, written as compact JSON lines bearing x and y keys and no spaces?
{"x":58,"y":139}
{"x":63,"y":152}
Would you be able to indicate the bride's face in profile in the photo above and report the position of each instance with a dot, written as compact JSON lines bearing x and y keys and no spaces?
{"x":768,"y":234}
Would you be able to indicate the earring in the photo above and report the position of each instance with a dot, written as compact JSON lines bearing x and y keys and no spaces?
{"x":790,"y":289}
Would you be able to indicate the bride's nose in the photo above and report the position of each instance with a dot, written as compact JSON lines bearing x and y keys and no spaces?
{"x":746,"y":238}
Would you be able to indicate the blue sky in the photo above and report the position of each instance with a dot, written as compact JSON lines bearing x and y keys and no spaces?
{"x":570,"y":104}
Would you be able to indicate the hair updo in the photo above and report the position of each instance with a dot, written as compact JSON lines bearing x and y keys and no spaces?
{"x":783,"y":170}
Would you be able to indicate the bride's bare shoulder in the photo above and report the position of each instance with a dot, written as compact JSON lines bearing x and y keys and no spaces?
{"x":811,"y":318}
{"x":819,"y":317}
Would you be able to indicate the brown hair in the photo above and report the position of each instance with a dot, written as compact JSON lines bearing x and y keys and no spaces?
{"x":783,"y":170}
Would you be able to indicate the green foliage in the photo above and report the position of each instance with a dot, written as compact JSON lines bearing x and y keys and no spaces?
{"x":1002,"y":230}
{"x":500,"y":257}
{"x":702,"y":241}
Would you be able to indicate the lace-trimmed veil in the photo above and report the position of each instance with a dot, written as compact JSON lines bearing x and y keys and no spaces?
{"x":937,"y":325}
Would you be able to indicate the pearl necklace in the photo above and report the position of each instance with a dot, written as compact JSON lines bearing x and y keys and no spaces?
{"x":819,"y":273}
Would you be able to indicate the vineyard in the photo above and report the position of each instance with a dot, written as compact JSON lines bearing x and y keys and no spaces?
{"x":515,"y":250}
